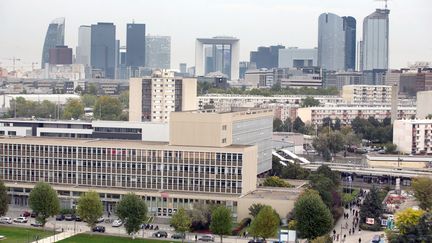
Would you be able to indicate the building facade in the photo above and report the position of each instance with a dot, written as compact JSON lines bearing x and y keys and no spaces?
{"x":158,"y":52}
{"x":103,"y":49}
{"x":424,"y":107}
{"x":154,"y":98}
{"x":217,"y":54}
{"x":60,"y":55}
{"x":372,"y":94}
{"x":294,"y":57}
{"x":331,"y":42}
{"x":350,"y":42}
{"x":54,"y":37}
{"x":413,"y":136}
{"x":83,"y":49}
{"x":266,"y":57}
{"x":135,"y":45}
{"x":375,"y":43}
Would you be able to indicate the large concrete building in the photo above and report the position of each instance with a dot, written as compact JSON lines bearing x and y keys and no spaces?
{"x":294,"y":57}
{"x":103,"y":49}
{"x":189,"y":169}
{"x":266,"y":57}
{"x":413,"y":136}
{"x":135,"y":45}
{"x":217,"y":54}
{"x":372,"y":94}
{"x":154,"y":98}
{"x":424,"y":104}
{"x":54,"y":37}
{"x":331,"y":42}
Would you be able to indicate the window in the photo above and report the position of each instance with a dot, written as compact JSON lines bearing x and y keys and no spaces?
{"x":224,"y":127}
{"x":223,"y":140}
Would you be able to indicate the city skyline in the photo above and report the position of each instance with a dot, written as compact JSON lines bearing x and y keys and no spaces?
{"x":231,"y":18}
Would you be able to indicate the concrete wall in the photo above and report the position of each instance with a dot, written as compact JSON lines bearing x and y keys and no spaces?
{"x":135,"y":99}
{"x":189,"y":93}
{"x":424,"y":101}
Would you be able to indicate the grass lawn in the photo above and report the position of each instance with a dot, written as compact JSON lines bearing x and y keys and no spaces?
{"x":21,"y":234}
{"x":98,"y":238}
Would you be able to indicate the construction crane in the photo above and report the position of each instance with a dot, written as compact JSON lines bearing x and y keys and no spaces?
{"x":14,"y":60}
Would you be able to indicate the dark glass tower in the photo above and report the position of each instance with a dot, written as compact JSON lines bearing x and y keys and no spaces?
{"x":54,"y":37}
{"x":103,"y":48}
{"x":350,"y":42}
{"x":135,"y":45}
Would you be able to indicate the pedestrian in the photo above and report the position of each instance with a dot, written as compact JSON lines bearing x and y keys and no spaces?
{"x":337,"y":237}
{"x":344,"y":237}
{"x":353,"y":230}
{"x":346,"y":225}
{"x":349,"y":232}
{"x":353,"y":211}
{"x":196,"y":238}
{"x":334,"y":231}
{"x":359,"y":240}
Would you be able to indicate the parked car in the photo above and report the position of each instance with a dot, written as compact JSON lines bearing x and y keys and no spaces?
{"x":5,"y":220}
{"x":69,"y":217}
{"x":26,"y":214}
{"x":117,"y":223}
{"x":34,"y":214}
{"x":100,"y":220}
{"x":206,"y":238}
{"x":60,"y":217}
{"x":21,"y":220}
{"x":99,"y":228}
{"x":256,"y":241}
{"x":178,"y":236}
{"x":78,"y":218}
{"x":36,"y":224}
{"x":161,"y":234}
{"x":376,"y":239}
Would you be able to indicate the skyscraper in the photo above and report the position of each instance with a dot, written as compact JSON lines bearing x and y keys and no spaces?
{"x":217,"y":54}
{"x":135,"y":45}
{"x":331,"y":42}
{"x":158,"y":51}
{"x":54,"y":37}
{"x":83,"y":50}
{"x":266,"y":57}
{"x":350,"y":42}
{"x":103,"y":48}
{"x":375,"y":40}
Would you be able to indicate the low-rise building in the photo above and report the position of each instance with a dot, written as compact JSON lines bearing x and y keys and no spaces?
{"x":413,"y":136}
{"x":398,"y":161}
{"x":424,"y":101}
{"x":373,"y":94}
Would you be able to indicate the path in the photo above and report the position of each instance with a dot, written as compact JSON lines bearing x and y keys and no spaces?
{"x":57,"y":237}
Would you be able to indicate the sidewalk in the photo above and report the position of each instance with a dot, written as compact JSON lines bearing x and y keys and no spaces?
{"x":57,"y":237}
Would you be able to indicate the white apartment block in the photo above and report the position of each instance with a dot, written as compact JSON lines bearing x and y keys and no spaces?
{"x":378,"y":94}
{"x":413,"y":136}
{"x":346,"y":113}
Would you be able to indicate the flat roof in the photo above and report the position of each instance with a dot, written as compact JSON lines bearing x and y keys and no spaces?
{"x":275,"y":193}
{"x":109,"y":143}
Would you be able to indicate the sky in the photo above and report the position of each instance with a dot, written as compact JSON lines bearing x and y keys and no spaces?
{"x":23,"y":24}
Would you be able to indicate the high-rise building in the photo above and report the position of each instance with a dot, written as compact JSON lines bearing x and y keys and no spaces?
{"x":135,"y":45}
{"x":376,"y":40}
{"x":266,"y":57}
{"x":183,"y":68}
{"x":60,"y":55}
{"x":54,"y":37}
{"x":83,"y":50}
{"x":154,"y":98}
{"x":350,"y":42}
{"x":294,"y":57}
{"x":103,"y":49}
{"x":217,"y":54}
{"x":158,"y":52}
{"x":331,"y":42}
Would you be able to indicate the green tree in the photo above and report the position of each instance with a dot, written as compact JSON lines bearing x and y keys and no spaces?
{"x":287,"y":125}
{"x":429,"y":116}
{"x":298,"y":125}
{"x":124,"y":99}
{"x":91,"y":89}
{"x":88,"y":100}
{"x":4,"y":204}
{"x":327,"y":122}
{"x":255,"y":208}
{"x":107,"y":108}
{"x":201,"y":215}
{"x":73,"y":109}
{"x":351,"y":139}
{"x":422,"y":189}
{"x":90,"y":208}
{"x":312,"y":215}
{"x":277,"y":125}
{"x":390,"y":148}
{"x":371,"y":208}
{"x":408,"y":219}
{"x":43,"y":199}
{"x":78,"y":89}
{"x":266,"y":223}
{"x":132,"y":210}
{"x":337,"y":124}
{"x":221,"y":221}
{"x":310,"y":102}
{"x":329,"y":141}
{"x":275,"y":181}
{"x":181,"y":222}
{"x":323,"y":239}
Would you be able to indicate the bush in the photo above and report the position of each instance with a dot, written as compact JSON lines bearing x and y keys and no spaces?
{"x":371,"y":227}
{"x":67,"y":211}
{"x":275,"y":181}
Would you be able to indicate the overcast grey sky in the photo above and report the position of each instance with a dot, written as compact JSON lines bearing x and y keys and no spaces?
{"x":23,"y":23}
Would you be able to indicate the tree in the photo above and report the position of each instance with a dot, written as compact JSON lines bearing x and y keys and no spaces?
{"x":429,"y":116}
{"x":323,"y":239}
{"x":4,"y":204}
{"x":201,"y":215}
{"x":312,"y":215}
{"x":90,"y":208}
{"x":44,"y":201}
{"x":88,"y":100}
{"x":287,"y":125}
{"x":124,"y":99}
{"x":387,"y":121}
{"x":266,"y":223}
{"x":181,"y":222}
{"x":310,"y":102}
{"x":390,"y":148}
{"x":107,"y":108}
{"x":327,"y":122}
{"x":331,"y":141}
{"x":221,"y":221}
{"x":132,"y":210}
{"x":78,"y":89}
{"x":337,"y":124}
{"x":422,"y":189}
{"x":371,"y":208}
{"x":91,"y":89}
{"x":351,"y":139}
{"x":408,"y":219}
{"x":298,"y":125}
{"x":73,"y":109}
{"x":275,"y":181}
{"x":255,"y":208}
{"x":277,"y":125}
